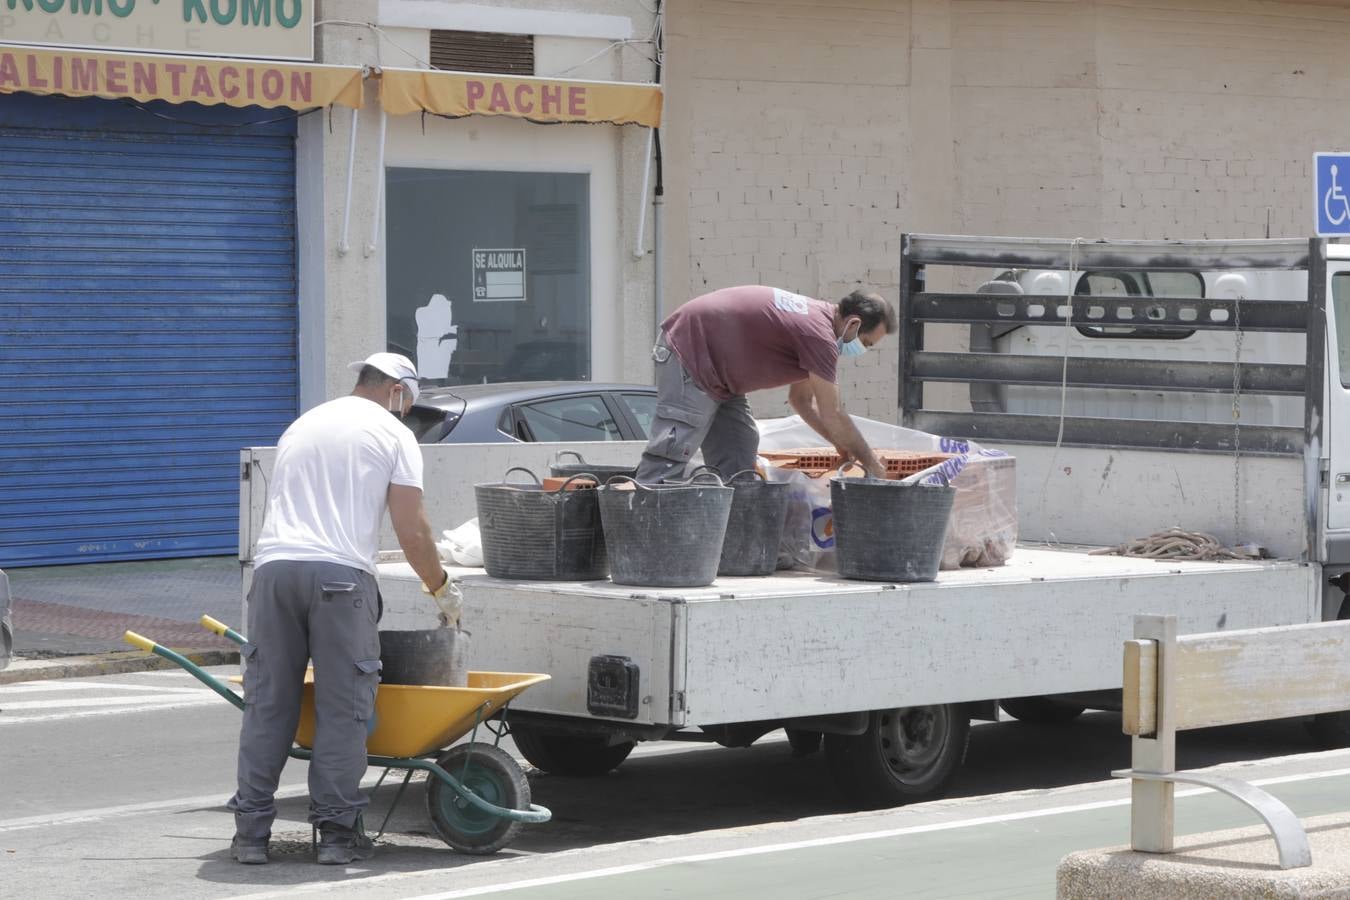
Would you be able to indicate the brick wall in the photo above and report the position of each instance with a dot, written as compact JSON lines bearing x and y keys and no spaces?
{"x":803,"y":138}
{"x":795,"y":157}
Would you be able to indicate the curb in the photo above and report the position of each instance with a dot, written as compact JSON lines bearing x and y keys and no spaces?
{"x":114,"y":663}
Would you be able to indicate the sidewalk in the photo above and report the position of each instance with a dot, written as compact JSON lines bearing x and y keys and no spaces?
{"x":68,"y":620}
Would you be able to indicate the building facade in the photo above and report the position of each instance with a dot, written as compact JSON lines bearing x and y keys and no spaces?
{"x":201,"y":227}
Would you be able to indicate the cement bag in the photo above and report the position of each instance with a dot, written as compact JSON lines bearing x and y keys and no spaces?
{"x":462,"y":546}
{"x":983,"y":528}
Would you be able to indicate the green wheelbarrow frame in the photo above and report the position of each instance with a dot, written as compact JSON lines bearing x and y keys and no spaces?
{"x":534,"y":815}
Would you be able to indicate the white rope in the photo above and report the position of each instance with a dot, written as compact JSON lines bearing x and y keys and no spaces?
{"x":1175,"y":543}
{"x":1063,"y":382}
{"x":1068,"y":325}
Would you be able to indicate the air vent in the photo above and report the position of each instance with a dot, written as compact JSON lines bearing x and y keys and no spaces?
{"x":483,"y":51}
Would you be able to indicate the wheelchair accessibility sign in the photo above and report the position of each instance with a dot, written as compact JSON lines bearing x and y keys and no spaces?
{"x":1331,"y":182}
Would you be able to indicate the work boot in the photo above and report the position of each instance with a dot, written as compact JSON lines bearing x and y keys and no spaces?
{"x":249,"y":852}
{"x":340,"y":845}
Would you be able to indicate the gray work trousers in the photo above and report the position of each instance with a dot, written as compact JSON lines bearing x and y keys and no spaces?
{"x":687,"y":419}
{"x":298,"y":611}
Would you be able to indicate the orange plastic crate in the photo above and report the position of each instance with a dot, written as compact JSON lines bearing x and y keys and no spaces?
{"x":817,"y":461}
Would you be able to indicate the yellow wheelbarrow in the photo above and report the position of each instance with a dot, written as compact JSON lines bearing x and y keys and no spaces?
{"x":477,"y":795}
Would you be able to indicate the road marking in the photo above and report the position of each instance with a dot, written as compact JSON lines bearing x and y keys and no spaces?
{"x":178,"y":703}
{"x":310,"y":887}
{"x":33,"y":687}
{"x":85,"y":702}
{"x":211,"y":801}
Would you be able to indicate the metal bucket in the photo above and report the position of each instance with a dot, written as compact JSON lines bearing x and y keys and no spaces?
{"x":665,"y":535}
{"x":532,"y":534}
{"x":888,"y":531}
{"x":581,"y":467}
{"x":755,"y":525}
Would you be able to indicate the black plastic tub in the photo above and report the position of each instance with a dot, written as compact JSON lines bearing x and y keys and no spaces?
{"x":532,"y":534}
{"x":888,"y":531}
{"x":665,"y":535}
{"x":435,"y":656}
{"x":581,"y":467}
{"x":755,"y":525}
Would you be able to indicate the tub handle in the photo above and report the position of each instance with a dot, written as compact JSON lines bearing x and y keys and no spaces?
{"x":533,"y":477}
{"x":754,"y":473}
{"x":572,"y":453}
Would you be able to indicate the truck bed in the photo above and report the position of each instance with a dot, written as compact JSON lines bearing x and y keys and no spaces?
{"x":800,"y":644}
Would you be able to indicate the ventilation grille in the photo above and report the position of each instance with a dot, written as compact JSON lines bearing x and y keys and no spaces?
{"x":483,"y":51}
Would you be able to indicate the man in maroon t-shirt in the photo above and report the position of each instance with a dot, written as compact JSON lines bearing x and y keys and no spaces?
{"x":718,"y":347}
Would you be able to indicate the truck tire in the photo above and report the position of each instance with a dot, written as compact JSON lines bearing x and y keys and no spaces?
{"x":906,"y":754}
{"x":569,"y":754}
{"x":1041,"y":710}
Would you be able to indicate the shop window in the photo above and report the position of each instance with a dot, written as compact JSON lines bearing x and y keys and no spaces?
{"x":488,"y":274}
{"x":482,"y":51}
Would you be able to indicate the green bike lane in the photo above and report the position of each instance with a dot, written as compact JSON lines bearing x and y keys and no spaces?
{"x":1003,"y":854}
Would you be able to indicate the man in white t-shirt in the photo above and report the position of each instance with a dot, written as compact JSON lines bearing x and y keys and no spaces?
{"x":314,"y":596}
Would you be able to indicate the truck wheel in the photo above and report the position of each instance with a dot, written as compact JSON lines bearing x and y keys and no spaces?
{"x":1330,"y":730}
{"x":1041,"y":710}
{"x":906,"y":754}
{"x":569,"y":754}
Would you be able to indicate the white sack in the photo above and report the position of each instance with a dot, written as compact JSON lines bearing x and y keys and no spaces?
{"x":462,"y":546}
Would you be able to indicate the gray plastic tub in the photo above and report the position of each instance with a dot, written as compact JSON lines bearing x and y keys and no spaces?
{"x":888,"y":531}
{"x":665,"y":535}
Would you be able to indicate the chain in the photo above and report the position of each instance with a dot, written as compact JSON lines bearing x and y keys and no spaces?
{"x":1237,"y":419}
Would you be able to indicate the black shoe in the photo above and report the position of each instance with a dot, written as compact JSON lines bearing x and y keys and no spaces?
{"x":340,"y":845}
{"x":248,"y":852}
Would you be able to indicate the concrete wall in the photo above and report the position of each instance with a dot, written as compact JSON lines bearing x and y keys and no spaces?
{"x":803,"y":138}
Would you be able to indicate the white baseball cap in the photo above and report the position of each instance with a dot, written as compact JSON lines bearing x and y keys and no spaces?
{"x":395,"y":365}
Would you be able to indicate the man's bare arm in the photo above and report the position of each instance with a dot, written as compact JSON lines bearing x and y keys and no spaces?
{"x":839,"y":427}
{"x":409,"y":518}
{"x":802,"y":402}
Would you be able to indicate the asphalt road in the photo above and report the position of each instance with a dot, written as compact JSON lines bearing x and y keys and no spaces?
{"x":116,"y":785}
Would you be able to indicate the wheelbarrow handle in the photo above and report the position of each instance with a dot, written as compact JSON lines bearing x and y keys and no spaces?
{"x":196,"y":671}
{"x":216,"y":626}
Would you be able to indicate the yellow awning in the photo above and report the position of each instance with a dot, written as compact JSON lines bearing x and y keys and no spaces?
{"x":177,"y":79}
{"x":537,"y":99}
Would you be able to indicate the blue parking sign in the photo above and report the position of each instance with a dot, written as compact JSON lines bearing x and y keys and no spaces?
{"x":1331,"y":178}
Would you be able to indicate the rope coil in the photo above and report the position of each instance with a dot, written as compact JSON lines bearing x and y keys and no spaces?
{"x":1176,"y":543}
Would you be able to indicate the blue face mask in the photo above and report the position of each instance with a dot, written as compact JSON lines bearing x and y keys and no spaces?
{"x":854,"y":347}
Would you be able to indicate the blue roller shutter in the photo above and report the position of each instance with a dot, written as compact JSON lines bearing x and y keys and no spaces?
{"x":147,"y":323}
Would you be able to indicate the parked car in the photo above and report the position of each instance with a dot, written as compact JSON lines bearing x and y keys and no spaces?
{"x":6,"y":623}
{"x":571,"y":411}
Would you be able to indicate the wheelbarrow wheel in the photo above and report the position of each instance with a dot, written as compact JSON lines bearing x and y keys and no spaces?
{"x":569,"y":754}
{"x":494,"y":776}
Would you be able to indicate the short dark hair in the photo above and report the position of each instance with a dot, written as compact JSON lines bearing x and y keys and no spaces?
{"x":871,"y":308}
{"x":373,"y":377}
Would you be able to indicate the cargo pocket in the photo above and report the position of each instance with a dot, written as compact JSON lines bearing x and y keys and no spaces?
{"x":249,"y":662}
{"x":367,"y":684}
{"x":673,"y":433}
